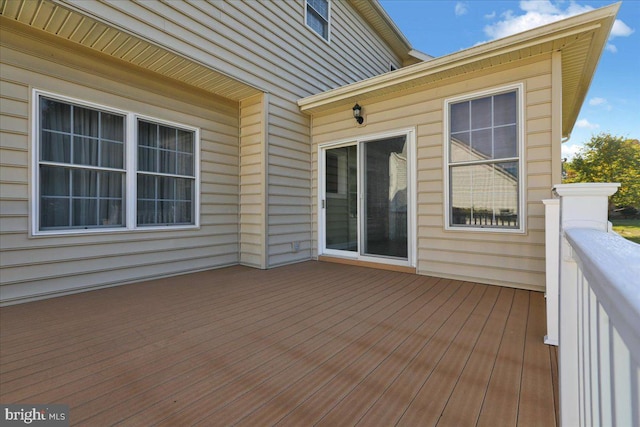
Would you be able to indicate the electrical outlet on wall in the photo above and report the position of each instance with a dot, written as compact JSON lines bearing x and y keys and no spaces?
{"x":295,"y":246}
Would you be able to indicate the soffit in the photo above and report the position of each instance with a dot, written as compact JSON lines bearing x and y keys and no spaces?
{"x":73,"y":26}
{"x":581,"y":39}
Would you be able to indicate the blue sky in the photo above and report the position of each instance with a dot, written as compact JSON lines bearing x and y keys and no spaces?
{"x":613,"y":102}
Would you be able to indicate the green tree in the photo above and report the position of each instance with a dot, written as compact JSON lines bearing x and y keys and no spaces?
{"x":608,"y":158}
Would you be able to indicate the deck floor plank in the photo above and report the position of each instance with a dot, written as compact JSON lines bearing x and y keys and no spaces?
{"x":500,"y":406}
{"x":216,"y":360}
{"x":192,"y":332}
{"x":429,"y":403}
{"x":347,"y":408}
{"x":351,"y":353}
{"x":465,"y":402}
{"x":310,"y":343}
{"x":215,"y":389}
{"x":535,"y":384}
{"x":312,"y":410}
{"x":299,"y":392}
{"x":391,"y":406}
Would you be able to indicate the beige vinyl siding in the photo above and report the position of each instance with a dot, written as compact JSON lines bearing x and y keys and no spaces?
{"x":255,"y":201}
{"x":268,"y":45}
{"x":289,"y":205}
{"x":252,"y":178}
{"x":510,"y":259}
{"x":42,"y":265}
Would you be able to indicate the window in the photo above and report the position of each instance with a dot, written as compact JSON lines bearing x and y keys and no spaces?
{"x":484,"y":162}
{"x":81,"y":166}
{"x":84,"y":181}
{"x":317,"y":16}
{"x":165,"y":174}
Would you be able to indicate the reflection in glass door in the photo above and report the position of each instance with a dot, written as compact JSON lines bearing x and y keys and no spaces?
{"x":341,"y":198}
{"x":385,"y":199}
{"x":367,"y":217}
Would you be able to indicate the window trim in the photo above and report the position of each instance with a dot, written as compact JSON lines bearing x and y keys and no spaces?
{"x":306,"y":22}
{"x":130,"y":169}
{"x":522,"y":178}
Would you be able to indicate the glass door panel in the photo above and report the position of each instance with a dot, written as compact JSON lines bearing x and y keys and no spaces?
{"x":365,"y":200}
{"x":385,"y":200}
{"x":341,"y":198}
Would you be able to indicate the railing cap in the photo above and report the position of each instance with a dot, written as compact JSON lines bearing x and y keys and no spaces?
{"x":611,"y":267}
{"x":588,"y":189}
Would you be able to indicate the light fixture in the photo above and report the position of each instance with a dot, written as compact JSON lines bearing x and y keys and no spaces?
{"x":357,"y":114}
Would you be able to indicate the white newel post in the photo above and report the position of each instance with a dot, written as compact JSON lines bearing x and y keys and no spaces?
{"x":552,"y":267}
{"x":581,"y":206}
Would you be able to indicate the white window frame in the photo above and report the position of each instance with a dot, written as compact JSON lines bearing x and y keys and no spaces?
{"x":412,"y":226}
{"x":306,"y":22}
{"x":520,"y":116}
{"x":130,"y":169}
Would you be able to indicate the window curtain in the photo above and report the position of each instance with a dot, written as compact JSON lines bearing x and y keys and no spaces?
{"x":77,"y":146}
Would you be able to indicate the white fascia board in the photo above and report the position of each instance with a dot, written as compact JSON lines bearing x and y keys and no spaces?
{"x":590,"y":21}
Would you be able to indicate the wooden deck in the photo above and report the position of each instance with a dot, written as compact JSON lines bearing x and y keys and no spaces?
{"x":311,"y":343}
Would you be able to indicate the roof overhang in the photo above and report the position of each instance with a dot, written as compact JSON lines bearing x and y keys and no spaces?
{"x":78,"y":27}
{"x":581,"y":40}
{"x":377,"y":17}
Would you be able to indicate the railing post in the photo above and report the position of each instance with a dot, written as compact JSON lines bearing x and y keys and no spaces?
{"x":581,"y":206}
{"x":552,"y":267}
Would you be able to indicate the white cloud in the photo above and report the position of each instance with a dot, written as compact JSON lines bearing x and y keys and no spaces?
{"x":620,"y":29}
{"x":541,"y":6}
{"x":490,"y":15}
{"x":569,"y":151}
{"x":461,"y":8}
{"x":611,"y":48}
{"x":586,"y":124}
{"x":601,"y":103}
{"x":536,"y":13}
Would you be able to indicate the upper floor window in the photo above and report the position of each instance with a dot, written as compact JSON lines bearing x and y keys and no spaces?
{"x":84,"y":181}
{"x":317,"y":17}
{"x":484,"y":162}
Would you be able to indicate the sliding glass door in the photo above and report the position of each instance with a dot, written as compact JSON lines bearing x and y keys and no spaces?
{"x":365,"y":201}
{"x":385,"y":198}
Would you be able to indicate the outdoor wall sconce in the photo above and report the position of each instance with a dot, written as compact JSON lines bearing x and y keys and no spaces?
{"x":357,"y":114}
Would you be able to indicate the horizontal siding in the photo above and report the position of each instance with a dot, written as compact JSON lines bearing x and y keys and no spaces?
{"x":289,"y":229}
{"x":268,"y":45}
{"x":252,"y":186}
{"x":515,"y":260}
{"x":46,"y":265}
{"x":264,"y":43}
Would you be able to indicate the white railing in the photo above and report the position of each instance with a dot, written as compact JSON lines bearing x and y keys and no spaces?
{"x":598,"y":311}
